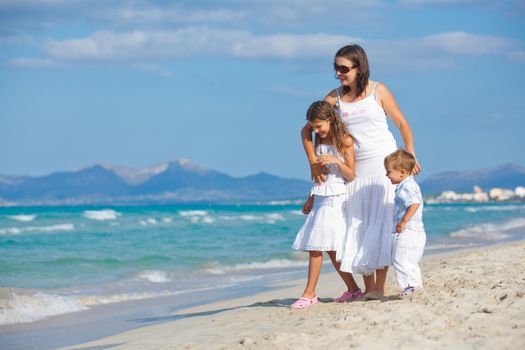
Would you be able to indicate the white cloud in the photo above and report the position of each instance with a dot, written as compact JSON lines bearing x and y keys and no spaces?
{"x":143,"y":47}
{"x":200,"y":41}
{"x":141,"y":15}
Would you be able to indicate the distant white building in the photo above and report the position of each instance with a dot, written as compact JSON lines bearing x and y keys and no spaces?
{"x":519,"y":192}
{"x":451,"y":196}
{"x":501,"y":194}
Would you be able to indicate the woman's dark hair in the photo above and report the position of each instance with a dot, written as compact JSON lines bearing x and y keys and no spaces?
{"x":357,"y":56}
{"x":322,"y":110}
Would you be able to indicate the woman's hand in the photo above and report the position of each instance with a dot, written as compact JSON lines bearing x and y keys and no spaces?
{"x":318,"y":172}
{"x":417,"y":168}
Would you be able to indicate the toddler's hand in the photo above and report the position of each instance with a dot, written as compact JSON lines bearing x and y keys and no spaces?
{"x":400,"y":227}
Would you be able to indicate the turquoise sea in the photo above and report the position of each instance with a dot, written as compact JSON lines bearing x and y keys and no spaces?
{"x":57,"y":260}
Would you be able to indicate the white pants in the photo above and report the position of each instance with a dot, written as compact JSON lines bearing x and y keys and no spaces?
{"x":407,"y":249}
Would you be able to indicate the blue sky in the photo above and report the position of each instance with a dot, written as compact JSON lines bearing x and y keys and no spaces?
{"x":227,"y":83}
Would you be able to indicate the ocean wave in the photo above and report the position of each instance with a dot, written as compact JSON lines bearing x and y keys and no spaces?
{"x":494,"y":208}
{"x":270,"y":218}
{"x":448,"y":246}
{"x":154,"y":276}
{"x":22,"y":217}
{"x":24,"y":306}
{"x":490,"y":231}
{"x":197,"y":216}
{"x":19,"y":307}
{"x":271,"y":264}
{"x":105,"y":214}
{"x":148,"y":221}
{"x":49,"y":228}
{"x":193,"y":212}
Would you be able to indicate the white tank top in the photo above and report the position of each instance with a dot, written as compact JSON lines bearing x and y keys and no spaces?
{"x":366,"y":121}
{"x":335,"y":183}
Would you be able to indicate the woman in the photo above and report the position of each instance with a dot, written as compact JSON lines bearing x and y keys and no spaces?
{"x":364,"y":105}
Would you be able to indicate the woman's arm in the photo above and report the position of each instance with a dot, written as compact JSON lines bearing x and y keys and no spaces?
{"x":391,"y":108}
{"x":317,"y":170}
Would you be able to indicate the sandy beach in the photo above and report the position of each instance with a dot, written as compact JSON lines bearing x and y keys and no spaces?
{"x":472,"y":300}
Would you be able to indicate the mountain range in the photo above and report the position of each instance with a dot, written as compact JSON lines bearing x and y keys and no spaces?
{"x":504,"y":176}
{"x":178,"y":181}
{"x":181,"y":181}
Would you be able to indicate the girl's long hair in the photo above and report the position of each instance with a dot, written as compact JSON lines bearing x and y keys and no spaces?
{"x":322,"y":110}
{"x":357,"y":55}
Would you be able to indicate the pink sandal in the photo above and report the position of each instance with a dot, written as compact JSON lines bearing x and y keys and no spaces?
{"x":303,"y":302}
{"x":358,"y":294}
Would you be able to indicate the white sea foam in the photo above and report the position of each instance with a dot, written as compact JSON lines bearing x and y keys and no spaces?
{"x":23,"y":308}
{"x":154,"y":276}
{"x":208,"y":220}
{"x":167,"y":219}
{"x":271,"y":218}
{"x":271,"y":264}
{"x":49,"y":228}
{"x":450,"y":246}
{"x":22,"y":217}
{"x":20,"y":306}
{"x":490,"y":231}
{"x":151,"y":221}
{"x":494,"y":208}
{"x":193,"y":212}
{"x":105,"y":214}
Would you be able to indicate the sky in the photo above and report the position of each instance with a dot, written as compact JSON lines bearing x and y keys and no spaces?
{"x":226,"y":83}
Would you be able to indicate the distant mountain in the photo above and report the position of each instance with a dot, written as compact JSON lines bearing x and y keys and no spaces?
{"x":179,"y":181}
{"x":504,"y":176}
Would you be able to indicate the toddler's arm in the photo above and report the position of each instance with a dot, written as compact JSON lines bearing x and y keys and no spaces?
{"x":411,"y":210}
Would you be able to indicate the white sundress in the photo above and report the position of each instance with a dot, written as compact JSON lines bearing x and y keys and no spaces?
{"x":367,"y":244}
{"x":325,"y":225}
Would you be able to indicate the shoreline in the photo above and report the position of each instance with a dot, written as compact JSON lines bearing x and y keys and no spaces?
{"x":472,"y":300}
{"x":130,"y":316}
{"x":203,"y":326}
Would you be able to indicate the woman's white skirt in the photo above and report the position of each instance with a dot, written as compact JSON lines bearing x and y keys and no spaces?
{"x":325,"y":226}
{"x":367,"y":244}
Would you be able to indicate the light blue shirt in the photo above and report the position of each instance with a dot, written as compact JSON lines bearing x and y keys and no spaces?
{"x":408,"y":193}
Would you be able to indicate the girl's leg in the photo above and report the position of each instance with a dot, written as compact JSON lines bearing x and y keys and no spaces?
{"x":314,"y":270}
{"x":346,"y":276}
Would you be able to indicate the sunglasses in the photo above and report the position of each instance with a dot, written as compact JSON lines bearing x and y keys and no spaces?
{"x":342,"y":69}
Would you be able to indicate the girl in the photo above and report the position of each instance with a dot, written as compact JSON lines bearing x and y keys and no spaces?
{"x":364,"y":106}
{"x":325,"y":225}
